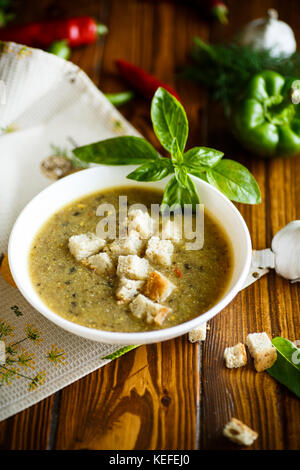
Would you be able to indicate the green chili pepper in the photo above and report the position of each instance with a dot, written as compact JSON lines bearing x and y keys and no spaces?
{"x":266,"y":120}
{"x":61,"y":49}
{"x":118,"y":99}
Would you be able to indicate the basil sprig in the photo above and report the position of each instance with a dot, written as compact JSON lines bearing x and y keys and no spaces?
{"x":170,"y":125}
{"x":286,"y":369}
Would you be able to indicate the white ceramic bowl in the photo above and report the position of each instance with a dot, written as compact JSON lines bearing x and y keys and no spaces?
{"x":87,"y":181}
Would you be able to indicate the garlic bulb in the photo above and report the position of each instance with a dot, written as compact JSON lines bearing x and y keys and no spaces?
{"x":286,"y":248}
{"x":285,"y":253}
{"x":269,"y":34}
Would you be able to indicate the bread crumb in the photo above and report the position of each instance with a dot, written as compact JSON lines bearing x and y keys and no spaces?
{"x":133,"y":267}
{"x":160,"y":251}
{"x":239,"y":433}
{"x":262,"y":350}
{"x":144,"y":308}
{"x":84,"y":245}
{"x":101,"y":263}
{"x":158,"y":287}
{"x":235,"y":356}
{"x":127,"y":290}
{"x":198,"y":334}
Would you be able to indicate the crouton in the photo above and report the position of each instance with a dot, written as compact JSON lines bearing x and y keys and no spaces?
{"x":131,"y":245}
{"x":144,"y":308}
{"x":198,"y":334}
{"x":235,"y":356}
{"x":171,"y":230}
{"x":2,"y":353}
{"x":101,"y":263}
{"x":128,"y":289}
{"x":158,"y":287}
{"x":239,"y":433}
{"x":159,"y":251}
{"x":262,"y":350}
{"x":84,"y":245}
{"x":141,"y":222}
{"x":132,"y":267}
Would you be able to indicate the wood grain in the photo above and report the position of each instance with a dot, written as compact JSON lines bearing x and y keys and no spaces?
{"x":270,"y":305}
{"x":177,"y":395}
{"x":134,"y":404}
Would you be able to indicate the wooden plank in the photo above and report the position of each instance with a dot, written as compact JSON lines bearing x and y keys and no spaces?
{"x":28,"y":430}
{"x":271,"y":305}
{"x":139,"y":401}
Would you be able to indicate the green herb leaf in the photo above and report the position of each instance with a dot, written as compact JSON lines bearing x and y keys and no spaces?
{"x":169,"y":119}
{"x":176,"y":154}
{"x":181,"y":175}
{"x":119,"y":352}
{"x":199,"y":173}
{"x":198,"y":157}
{"x":286,"y":369}
{"x":118,"y":99}
{"x":152,"y":171}
{"x":176,"y":196}
{"x":235,"y":181}
{"x":177,"y":160}
{"x":126,"y":150}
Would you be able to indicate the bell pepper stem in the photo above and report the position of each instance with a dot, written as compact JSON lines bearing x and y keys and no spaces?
{"x":101,"y":29}
{"x":220,"y":12}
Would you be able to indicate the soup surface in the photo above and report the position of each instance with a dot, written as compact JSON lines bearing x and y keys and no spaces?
{"x":77,"y":293}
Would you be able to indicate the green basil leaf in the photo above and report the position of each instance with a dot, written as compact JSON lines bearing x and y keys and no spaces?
{"x":235,"y":181}
{"x":199,"y":173}
{"x":286,"y":369}
{"x":125,"y":150}
{"x":202,"y":156}
{"x":176,"y":154}
{"x":169,"y":119}
{"x":181,"y":175}
{"x":152,"y":171}
{"x":176,"y":196}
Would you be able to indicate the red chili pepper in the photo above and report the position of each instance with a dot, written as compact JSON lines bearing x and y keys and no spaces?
{"x":177,"y":272}
{"x":216,"y":8}
{"x":141,"y":80}
{"x":76,"y":31}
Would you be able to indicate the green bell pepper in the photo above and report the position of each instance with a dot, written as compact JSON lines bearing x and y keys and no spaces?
{"x":266,"y":119}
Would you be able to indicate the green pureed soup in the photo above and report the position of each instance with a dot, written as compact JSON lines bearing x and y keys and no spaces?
{"x":77,"y":293}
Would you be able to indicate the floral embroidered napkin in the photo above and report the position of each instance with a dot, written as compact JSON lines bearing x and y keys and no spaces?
{"x":44,"y":100}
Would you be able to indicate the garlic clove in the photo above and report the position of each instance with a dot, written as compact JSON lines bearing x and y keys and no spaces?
{"x":286,"y":247}
{"x":269,"y":34}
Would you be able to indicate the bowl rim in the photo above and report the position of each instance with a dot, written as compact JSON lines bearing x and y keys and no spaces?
{"x":115,"y":337}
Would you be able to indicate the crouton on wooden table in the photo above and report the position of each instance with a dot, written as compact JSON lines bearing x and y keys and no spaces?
{"x":132,"y":267}
{"x":84,"y":245}
{"x":235,"y":356}
{"x":239,"y":433}
{"x":144,"y":308}
{"x":158,"y":287}
{"x":198,"y":334}
{"x":127,"y":289}
{"x":262,"y":350}
{"x":100,"y":263}
{"x":159,"y":251}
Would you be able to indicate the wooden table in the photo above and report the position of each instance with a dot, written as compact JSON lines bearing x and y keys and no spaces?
{"x":177,"y":395}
